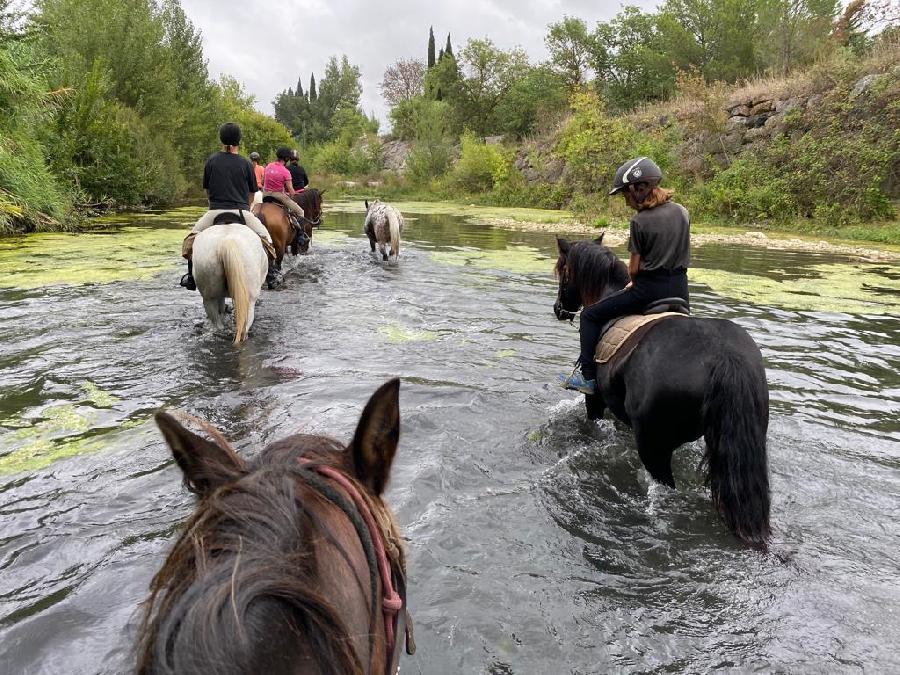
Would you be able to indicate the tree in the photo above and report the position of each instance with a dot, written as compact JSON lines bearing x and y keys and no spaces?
{"x":431,"y":60}
{"x":448,"y":49}
{"x":570,"y":46}
{"x":489,"y":73}
{"x":312,"y":89}
{"x":299,"y":91}
{"x":534,"y":102}
{"x":403,"y":81}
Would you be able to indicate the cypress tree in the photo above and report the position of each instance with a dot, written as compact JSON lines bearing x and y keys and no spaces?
{"x":441,"y":56}
{"x":431,"y":47}
{"x":299,"y":91}
{"x":448,"y":50}
{"x":312,"y":88}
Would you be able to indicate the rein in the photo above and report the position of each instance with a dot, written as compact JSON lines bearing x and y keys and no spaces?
{"x":393,"y":602}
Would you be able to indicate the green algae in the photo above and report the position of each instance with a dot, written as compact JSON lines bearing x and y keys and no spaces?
{"x":397,"y":334}
{"x":852,"y":288}
{"x":514,"y":258}
{"x":54,"y":259}
{"x":61,"y":431}
{"x":469,"y":211}
{"x":505,"y":353}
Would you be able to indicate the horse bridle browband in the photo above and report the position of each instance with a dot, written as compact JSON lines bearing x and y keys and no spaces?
{"x":391,"y":572}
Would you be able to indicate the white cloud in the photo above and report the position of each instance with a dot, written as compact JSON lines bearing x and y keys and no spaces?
{"x":268,"y":46}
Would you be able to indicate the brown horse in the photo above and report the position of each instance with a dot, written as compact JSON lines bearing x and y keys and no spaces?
{"x":284,"y":236}
{"x":288,"y":564}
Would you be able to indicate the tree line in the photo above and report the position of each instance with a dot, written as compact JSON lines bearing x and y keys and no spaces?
{"x":108,"y":103}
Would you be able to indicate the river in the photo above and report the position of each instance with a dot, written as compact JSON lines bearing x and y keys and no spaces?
{"x":537,"y":542}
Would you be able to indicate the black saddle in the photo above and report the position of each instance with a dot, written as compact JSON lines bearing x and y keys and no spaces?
{"x":674,"y":304}
{"x":229,"y":218}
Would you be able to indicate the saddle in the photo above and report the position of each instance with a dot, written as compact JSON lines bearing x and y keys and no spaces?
{"x":627,"y":331}
{"x":292,"y":219}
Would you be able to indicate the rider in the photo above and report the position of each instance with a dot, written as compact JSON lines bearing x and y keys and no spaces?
{"x":298,"y":173}
{"x":258,"y":170}
{"x":230,"y":182}
{"x":278,"y":184}
{"x":660,"y":248}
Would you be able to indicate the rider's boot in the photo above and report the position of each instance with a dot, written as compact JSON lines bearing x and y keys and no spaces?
{"x":188,"y":279}
{"x":584,"y":381}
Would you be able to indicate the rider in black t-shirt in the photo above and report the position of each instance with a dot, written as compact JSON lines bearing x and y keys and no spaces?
{"x":230,"y":183}
{"x":660,"y":248}
{"x":299,"y":179}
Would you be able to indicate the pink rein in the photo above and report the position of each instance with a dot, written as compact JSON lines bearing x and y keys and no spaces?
{"x":391,"y":601}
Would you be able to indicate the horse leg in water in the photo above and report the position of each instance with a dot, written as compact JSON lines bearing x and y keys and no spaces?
{"x":382,"y":247}
{"x":655,"y":451}
{"x":594,"y":406}
{"x":215,"y":311}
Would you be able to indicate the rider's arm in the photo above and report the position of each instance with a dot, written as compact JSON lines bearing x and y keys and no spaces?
{"x":634,"y":265}
{"x":289,"y":187}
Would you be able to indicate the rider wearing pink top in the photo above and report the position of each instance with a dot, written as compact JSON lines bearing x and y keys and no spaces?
{"x":277,"y":183}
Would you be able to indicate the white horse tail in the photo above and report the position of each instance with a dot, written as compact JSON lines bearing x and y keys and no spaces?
{"x":395,"y":220}
{"x":237,"y":286}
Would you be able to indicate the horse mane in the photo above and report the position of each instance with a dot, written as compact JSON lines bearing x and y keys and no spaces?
{"x":238,"y":593}
{"x":593,"y":269}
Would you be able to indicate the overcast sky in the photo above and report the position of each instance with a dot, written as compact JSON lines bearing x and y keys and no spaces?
{"x":267,"y":46}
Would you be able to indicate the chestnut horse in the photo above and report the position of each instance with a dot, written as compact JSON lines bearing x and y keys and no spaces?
{"x":284,"y":236}
{"x":290,"y":561}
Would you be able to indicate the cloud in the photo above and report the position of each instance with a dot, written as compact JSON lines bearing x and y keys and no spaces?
{"x":269,"y":47}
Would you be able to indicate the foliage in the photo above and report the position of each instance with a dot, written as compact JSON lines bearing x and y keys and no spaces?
{"x":403,"y":81}
{"x":431,"y":152}
{"x":480,"y":166}
{"x":571,"y":47}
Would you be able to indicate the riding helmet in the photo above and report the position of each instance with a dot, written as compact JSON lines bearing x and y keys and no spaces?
{"x":254,"y":155}
{"x":230,"y":134}
{"x":283,"y":153}
{"x":295,"y":156}
{"x":637,"y":170}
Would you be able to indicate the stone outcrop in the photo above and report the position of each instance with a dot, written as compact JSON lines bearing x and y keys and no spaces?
{"x":395,"y":154}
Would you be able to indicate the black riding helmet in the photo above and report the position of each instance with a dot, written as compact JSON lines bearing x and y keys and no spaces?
{"x":254,"y":155}
{"x":283,"y":153}
{"x":230,"y":134}
{"x":637,"y":170}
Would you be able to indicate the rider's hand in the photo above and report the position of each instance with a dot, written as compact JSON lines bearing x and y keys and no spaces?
{"x":629,"y":285}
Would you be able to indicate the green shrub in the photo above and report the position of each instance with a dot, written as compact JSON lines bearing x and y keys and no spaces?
{"x":480,"y":166}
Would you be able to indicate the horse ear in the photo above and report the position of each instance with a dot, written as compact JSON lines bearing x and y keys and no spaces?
{"x":377,"y":434}
{"x":563,"y":245}
{"x":599,"y":240}
{"x":366,"y":202}
{"x":206,"y":465}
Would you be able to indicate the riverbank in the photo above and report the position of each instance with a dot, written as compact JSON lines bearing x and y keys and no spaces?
{"x":567,"y":223}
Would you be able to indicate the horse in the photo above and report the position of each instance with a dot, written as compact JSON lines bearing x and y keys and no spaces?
{"x":291,"y":562}
{"x":310,"y":200}
{"x":229,"y":261}
{"x":284,"y":236}
{"x":383,"y":223}
{"x":687,"y":377}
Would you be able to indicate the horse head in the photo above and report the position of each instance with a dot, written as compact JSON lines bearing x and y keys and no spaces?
{"x":587,"y":271}
{"x":289,"y":561}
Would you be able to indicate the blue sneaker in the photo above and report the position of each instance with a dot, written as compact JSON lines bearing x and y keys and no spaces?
{"x":576,"y":382}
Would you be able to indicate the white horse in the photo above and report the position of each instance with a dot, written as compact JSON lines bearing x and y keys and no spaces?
{"x":229,"y":261}
{"x":383,"y":223}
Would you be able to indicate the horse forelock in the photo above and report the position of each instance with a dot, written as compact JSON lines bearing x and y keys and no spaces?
{"x":242,"y":579}
{"x":592,"y":268}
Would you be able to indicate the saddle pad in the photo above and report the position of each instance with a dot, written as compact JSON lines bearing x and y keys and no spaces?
{"x":616,"y":335}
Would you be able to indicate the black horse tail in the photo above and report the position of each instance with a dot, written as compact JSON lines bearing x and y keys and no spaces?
{"x":736,"y":417}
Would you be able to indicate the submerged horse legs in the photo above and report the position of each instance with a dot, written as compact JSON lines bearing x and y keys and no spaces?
{"x":656,"y":454}
{"x":215,"y":310}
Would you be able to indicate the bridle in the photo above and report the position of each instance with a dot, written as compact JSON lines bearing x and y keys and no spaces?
{"x":391,"y":570}
{"x":558,"y":308}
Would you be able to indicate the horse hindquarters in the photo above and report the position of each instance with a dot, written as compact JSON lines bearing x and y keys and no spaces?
{"x":736,"y":418}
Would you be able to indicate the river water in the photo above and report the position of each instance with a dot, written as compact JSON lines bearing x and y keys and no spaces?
{"x":537,"y":542}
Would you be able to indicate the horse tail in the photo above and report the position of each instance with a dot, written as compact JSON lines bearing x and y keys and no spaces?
{"x":394,"y":221}
{"x":735,"y":419}
{"x":236,"y":279}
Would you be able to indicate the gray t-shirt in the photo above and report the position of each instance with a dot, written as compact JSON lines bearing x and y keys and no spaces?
{"x":662,"y":237}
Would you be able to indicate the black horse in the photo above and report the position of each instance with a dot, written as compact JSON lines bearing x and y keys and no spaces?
{"x":687,"y":377}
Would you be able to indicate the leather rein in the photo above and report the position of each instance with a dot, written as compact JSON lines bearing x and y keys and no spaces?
{"x":393,"y":581}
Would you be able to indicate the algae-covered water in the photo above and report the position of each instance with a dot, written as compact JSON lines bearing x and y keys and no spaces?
{"x":537,"y":542}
